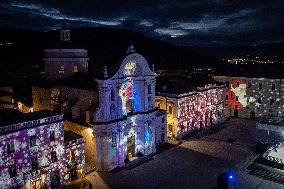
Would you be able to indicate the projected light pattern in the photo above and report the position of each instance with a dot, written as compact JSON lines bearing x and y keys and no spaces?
{"x":39,"y":150}
{"x":237,"y":97}
{"x":130,"y":68}
{"x":198,"y":111}
{"x":129,"y":91}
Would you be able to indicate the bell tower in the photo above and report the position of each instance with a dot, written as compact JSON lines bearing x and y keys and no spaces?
{"x":64,"y":33}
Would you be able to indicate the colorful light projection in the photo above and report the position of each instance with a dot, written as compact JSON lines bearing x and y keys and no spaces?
{"x":129,"y":91}
{"x":49,"y":149}
{"x":148,"y":135}
{"x":130,"y":68}
{"x":237,"y":98}
{"x":197,"y":111}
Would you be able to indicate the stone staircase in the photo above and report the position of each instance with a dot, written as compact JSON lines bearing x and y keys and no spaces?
{"x":267,"y":173}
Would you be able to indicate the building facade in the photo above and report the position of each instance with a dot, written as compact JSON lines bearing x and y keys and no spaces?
{"x":34,"y":153}
{"x":253,"y":97}
{"x":192,"y":110}
{"x":114,"y":110}
{"x":64,"y":60}
{"x":126,"y":122}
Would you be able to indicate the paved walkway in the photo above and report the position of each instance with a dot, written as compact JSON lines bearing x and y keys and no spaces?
{"x":195,"y":163}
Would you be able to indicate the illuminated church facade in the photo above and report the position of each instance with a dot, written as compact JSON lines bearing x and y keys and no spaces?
{"x":126,"y":122}
{"x":113,"y":109}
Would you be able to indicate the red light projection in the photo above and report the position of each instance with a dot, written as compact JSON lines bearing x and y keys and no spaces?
{"x":233,"y":98}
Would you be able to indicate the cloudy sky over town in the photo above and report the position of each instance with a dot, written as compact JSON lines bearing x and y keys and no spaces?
{"x":186,"y":22}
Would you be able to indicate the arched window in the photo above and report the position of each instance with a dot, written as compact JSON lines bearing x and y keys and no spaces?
{"x":60,"y":69}
{"x":149,"y":89}
{"x":112,"y":95}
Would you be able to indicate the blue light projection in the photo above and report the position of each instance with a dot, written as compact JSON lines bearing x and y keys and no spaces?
{"x":129,"y":91}
{"x":148,"y":135}
{"x":136,"y":98}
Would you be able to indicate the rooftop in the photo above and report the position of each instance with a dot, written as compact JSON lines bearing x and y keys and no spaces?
{"x":11,"y":116}
{"x":181,"y":85}
{"x":81,"y":81}
{"x":71,"y":136}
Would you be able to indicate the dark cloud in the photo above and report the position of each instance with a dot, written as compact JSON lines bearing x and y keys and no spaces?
{"x":181,"y":21}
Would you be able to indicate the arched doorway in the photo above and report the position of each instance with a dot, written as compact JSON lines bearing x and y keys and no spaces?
{"x":131,"y":145}
{"x":252,"y":114}
{"x":236,"y":113}
{"x":55,"y":179}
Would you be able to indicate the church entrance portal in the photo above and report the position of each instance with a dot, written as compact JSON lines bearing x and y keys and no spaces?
{"x":131,"y":145}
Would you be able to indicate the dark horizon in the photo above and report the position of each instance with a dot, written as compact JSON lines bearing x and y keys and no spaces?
{"x":218,"y":23}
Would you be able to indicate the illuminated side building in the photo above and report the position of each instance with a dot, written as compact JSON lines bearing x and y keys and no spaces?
{"x":35,"y":151}
{"x":190,"y":105}
{"x":249,"y":97}
{"x":113,"y":108}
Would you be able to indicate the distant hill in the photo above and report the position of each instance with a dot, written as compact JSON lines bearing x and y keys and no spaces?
{"x":103,"y":44}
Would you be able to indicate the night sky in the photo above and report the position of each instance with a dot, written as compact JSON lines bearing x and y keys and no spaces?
{"x":184,"y":22}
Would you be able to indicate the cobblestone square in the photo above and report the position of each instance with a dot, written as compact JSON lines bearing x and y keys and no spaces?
{"x":195,"y":163}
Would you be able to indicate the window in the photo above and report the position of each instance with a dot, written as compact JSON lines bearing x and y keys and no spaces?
{"x":163,"y":120}
{"x":227,"y":83}
{"x":112,"y":94}
{"x":75,"y":69}
{"x":72,"y":155}
{"x":273,"y":86}
{"x":32,"y":141}
{"x":53,"y":157}
{"x":34,"y":164}
{"x":227,"y":97}
{"x":113,"y":139}
{"x":52,"y":102}
{"x":249,"y":85}
{"x":10,"y":147}
{"x":60,"y":69}
{"x":170,"y":110}
{"x":237,"y":98}
{"x":236,"y":107}
{"x":260,"y":86}
{"x":259,"y":100}
{"x":52,"y":136}
{"x":12,"y":170}
{"x":149,"y":89}
{"x":170,"y":128}
{"x":271,"y":101}
{"x":149,"y":102}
